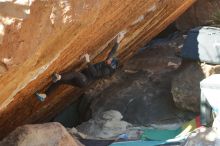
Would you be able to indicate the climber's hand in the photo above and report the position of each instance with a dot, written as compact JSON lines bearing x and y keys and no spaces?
{"x":87,"y":58}
{"x":120,"y":36}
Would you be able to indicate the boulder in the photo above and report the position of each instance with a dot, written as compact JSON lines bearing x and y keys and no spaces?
{"x":40,"y":37}
{"x":186,"y":84}
{"x":202,"y":137}
{"x":49,"y":134}
{"x":199,"y":14}
{"x":106,"y":125}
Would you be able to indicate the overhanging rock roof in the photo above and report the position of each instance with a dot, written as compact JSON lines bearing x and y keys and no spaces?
{"x":54,"y":36}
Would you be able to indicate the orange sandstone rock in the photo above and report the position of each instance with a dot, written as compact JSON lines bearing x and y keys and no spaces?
{"x":51,"y":36}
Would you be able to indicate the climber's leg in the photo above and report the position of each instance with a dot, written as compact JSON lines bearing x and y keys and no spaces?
{"x":71,"y":78}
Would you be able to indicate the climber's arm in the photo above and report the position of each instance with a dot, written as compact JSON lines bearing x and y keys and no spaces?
{"x":115,"y":47}
{"x":113,"y":51}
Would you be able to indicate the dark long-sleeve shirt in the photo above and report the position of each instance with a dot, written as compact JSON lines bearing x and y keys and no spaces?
{"x":113,"y":51}
{"x":101,"y":69}
{"x":98,"y":70}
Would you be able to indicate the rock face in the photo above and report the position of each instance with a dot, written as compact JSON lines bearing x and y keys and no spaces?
{"x":186,"y":88}
{"x":106,"y":125}
{"x":50,"y":134}
{"x":46,"y":36}
{"x":186,"y":84}
{"x":199,"y":14}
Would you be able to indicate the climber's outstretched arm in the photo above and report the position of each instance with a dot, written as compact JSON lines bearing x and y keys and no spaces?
{"x":115,"y":47}
{"x":113,"y":51}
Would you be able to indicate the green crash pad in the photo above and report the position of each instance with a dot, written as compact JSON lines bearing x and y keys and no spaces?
{"x":163,"y":135}
{"x":157,"y":134}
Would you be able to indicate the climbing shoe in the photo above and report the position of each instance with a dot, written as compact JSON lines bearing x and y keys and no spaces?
{"x":56,"y":77}
{"x":40,"y":96}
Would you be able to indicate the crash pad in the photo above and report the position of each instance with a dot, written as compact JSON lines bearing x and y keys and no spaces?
{"x":158,"y":134}
{"x":202,"y":44}
{"x":138,"y":143}
{"x":164,"y":134}
{"x":145,"y":143}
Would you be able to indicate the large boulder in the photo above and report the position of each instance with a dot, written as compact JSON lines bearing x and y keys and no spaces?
{"x":200,"y":13}
{"x":202,"y":137}
{"x":106,"y":125}
{"x":40,"y":37}
{"x":49,"y":134}
{"x":186,"y":84}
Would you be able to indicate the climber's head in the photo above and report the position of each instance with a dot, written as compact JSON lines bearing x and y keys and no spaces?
{"x":113,"y":62}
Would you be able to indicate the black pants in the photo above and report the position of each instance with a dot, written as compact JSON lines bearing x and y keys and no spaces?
{"x":70,"y":78}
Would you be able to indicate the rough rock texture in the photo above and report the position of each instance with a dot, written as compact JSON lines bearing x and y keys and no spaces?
{"x":200,"y":13}
{"x":141,"y":89}
{"x":202,"y":137}
{"x":186,"y":84}
{"x":74,"y":132}
{"x":54,"y":36}
{"x":49,"y":134}
{"x":106,"y":125}
{"x":11,"y":11}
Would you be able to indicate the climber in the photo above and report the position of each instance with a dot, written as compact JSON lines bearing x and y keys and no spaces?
{"x":93,"y":72}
